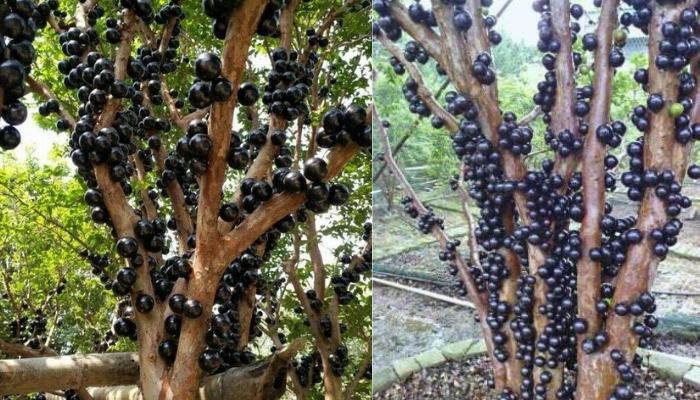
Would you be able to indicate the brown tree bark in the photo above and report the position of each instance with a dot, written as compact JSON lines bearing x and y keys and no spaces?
{"x":204,"y":280}
{"x":114,"y":376}
{"x":56,"y":373}
{"x":589,"y":271}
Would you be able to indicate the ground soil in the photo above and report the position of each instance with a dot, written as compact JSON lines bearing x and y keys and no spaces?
{"x":448,"y":381}
{"x":405,"y":324}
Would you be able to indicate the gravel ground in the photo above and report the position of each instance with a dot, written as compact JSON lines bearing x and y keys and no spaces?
{"x":448,"y":382}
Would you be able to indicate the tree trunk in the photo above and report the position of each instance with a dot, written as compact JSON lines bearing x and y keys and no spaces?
{"x":185,"y":375}
{"x":333,"y":384}
{"x":262,"y":380}
{"x":55,"y":373}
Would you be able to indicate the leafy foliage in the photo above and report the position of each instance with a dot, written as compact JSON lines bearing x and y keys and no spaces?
{"x":45,"y":228}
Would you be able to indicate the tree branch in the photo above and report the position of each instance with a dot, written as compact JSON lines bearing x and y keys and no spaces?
{"x":45,"y":93}
{"x":479,"y":299}
{"x":589,"y":279}
{"x":124,"y":219}
{"x":636,"y":274}
{"x":563,"y":115}
{"x":207,"y":269}
{"x":424,"y":93}
{"x":421,"y":33}
{"x":277,"y":208}
{"x":366,"y":363}
{"x":503,"y":8}
{"x":530,"y":117}
{"x":104,"y":372}
{"x":262,"y":164}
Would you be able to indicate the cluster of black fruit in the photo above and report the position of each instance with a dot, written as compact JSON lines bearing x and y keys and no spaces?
{"x":341,"y":127}
{"x":209,"y":86}
{"x":288,"y":85}
{"x":679,"y":44}
{"x":415,"y":103}
{"x":352,"y":272}
{"x":482,"y":68}
{"x":19,"y":22}
{"x":513,"y":137}
{"x":31,"y":326}
{"x":368,"y":372}
{"x":414,"y":52}
{"x":426,"y":220}
{"x":309,"y":369}
{"x":339,"y":360}
{"x":102,"y":345}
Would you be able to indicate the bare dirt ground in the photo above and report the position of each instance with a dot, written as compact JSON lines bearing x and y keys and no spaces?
{"x":447,"y":382}
{"x":405,"y":324}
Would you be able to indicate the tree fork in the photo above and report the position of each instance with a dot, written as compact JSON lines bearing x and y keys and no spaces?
{"x":205,"y":276}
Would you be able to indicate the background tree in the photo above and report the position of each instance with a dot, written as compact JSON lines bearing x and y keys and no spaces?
{"x":561,"y":285}
{"x":198,"y":180}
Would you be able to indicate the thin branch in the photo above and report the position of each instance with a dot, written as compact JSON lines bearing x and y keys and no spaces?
{"x":170,"y":105}
{"x":588,"y":281}
{"x":424,"y":93}
{"x":478,"y":298}
{"x":473,"y":244}
{"x":394,"y":151}
{"x":15,"y":306}
{"x":366,"y":363}
{"x":503,"y":8}
{"x":563,"y":114}
{"x":199,"y":114}
{"x":442,"y":88}
{"x":530,"y":117}
{"x":81,"y":14}
{"x":43,"y":91}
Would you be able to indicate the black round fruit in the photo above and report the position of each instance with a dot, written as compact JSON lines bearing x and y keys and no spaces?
{"x":144,"y":303}
{"x":210,"y":361}
{"x":294,"y":182}
{"x":315,"y":169}
{"x":248,"y":94}
{"x":124,"y":327}
{"x":192,"y":308}
{"x":127,"y":247}
{"x":207,"y":66}
{"x":338,"y":194}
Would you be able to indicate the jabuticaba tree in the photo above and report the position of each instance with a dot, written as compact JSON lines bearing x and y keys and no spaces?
{"x":562,"y":286}
{"x":208,"y":136}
